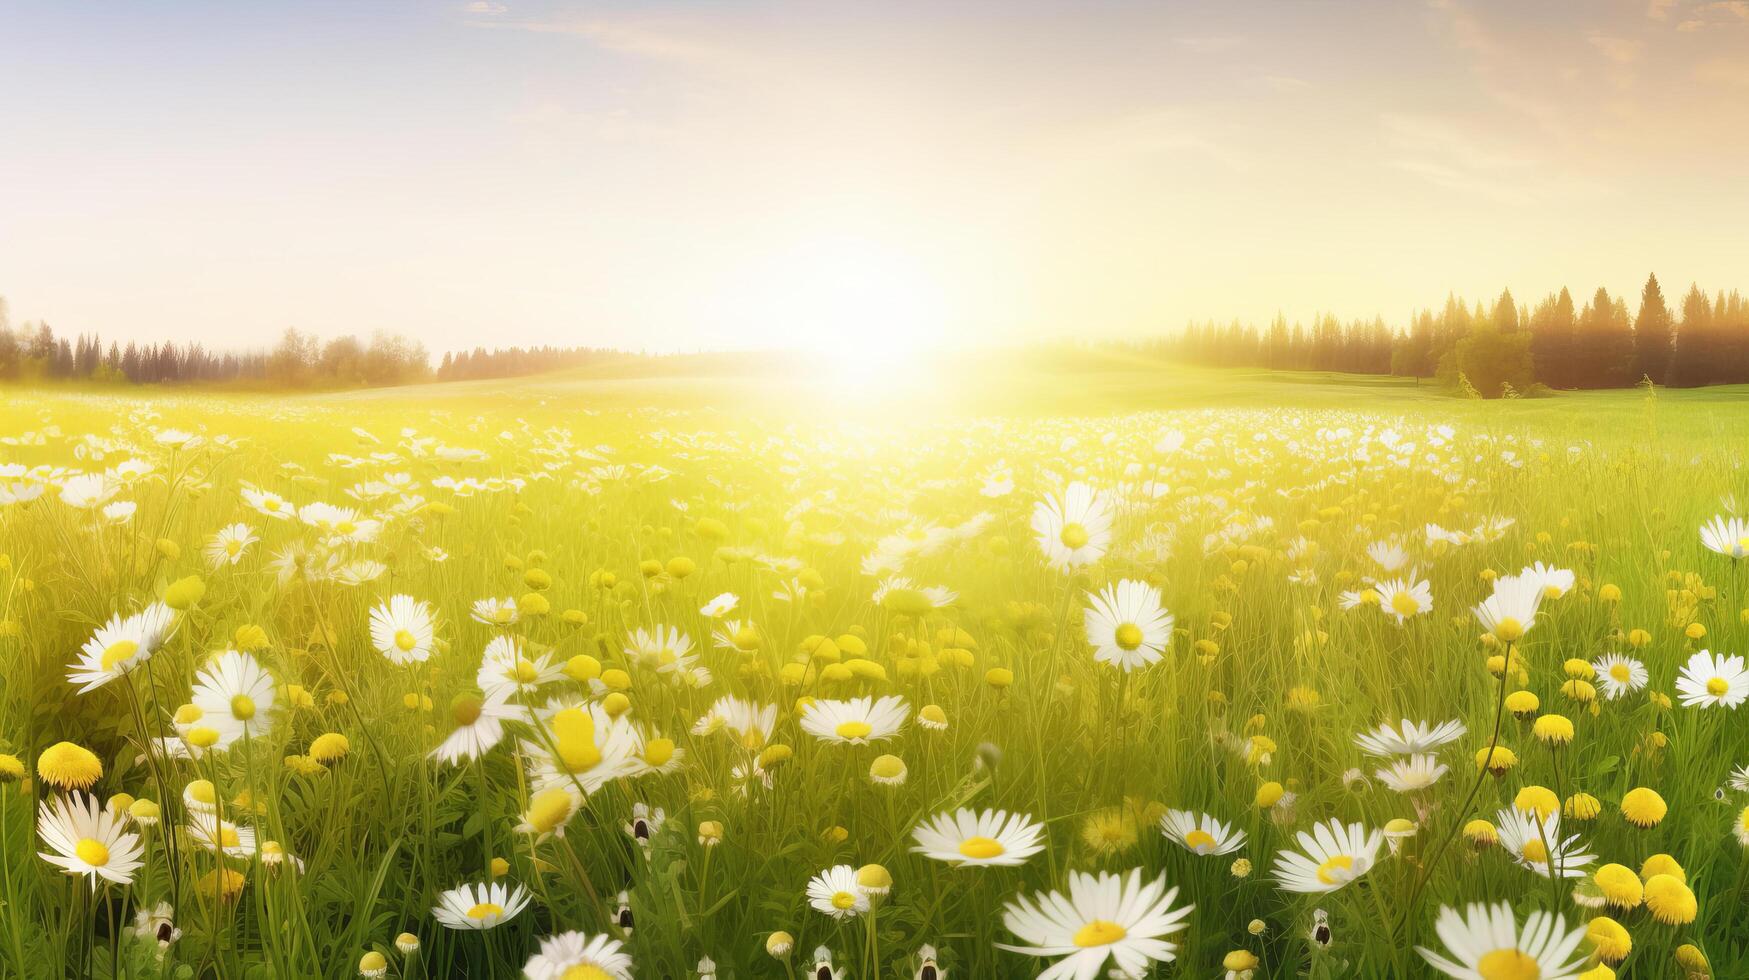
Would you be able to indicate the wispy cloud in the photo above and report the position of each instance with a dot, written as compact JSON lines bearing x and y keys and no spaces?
{"x":1449,"y":156}
{"x":1621,"y":50}
{"x":487,"y":8}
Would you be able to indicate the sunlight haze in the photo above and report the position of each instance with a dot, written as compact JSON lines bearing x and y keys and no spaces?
{"x":685,"y":176}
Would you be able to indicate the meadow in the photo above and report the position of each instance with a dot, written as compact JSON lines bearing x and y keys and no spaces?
{"x":971,"y":671}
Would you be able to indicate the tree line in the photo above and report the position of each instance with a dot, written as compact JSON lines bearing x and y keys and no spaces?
{"x":1506,"y":347}
{"x":512,"y":362}
{"x":33,"y":352}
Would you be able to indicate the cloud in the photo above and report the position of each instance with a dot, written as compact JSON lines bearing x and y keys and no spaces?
{"x":1621,"y":50}
{"x":1467,"y":30}
{"x":487,"y":7}
{"x":1659,"y":9}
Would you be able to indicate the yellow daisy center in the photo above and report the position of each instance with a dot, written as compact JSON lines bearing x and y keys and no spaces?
{"x":118,"y":653}
{"x":1509,"y":963}
{"x":1717,"y":687}
{"x":853,"y":729}
{"x":524,"y":672}
{"x":1099,"y":932}
{"x":465,"y":711}
{"x":1404,"y":604}
{"x":1073,"y":536}
{"x":1199,"y":839}
{"x":243,"y":707}
{"x":502,"y":615}
{"x":658,"y":751}
{"x":1535,"y":851}
{"x":346,"y":527}
{"x":585,"y":971}
{"x":1621,"y":673}
{"x":982,"y":847}
{"x":1509,"y":629}
{"x":1129,"y":636}
{"x":548,"y":810}
{"x":1336,"y":870}
{"x":232,"y":547}
{"x":404,"y":641}
{"x":485,"y":910}
{"x":228,"y":837}
{"x":843,"y":900}
{"x":92,"y":852}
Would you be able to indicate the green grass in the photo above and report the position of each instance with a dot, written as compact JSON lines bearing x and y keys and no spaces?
{"x":793,"y":476}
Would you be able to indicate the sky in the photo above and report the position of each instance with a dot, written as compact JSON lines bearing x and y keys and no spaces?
{"x":719,"y":174}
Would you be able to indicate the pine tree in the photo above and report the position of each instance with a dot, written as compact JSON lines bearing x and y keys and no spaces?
{"x":1505,"y":313}
{"x":1694,"y":361}
{"x":1553,"y":344}
{"x":1652,"y":332}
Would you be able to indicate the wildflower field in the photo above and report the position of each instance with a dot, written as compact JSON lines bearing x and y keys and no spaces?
{"x":582,"y":682}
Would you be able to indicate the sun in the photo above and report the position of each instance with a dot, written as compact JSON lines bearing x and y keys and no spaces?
{"x":867,"y":311}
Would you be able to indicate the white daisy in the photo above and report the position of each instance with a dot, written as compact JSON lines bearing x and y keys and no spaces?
{"x":1389,"y":555}
{"x":85,"y":491}
{"x":1335,"y":855}
{"x":1710,"y":680}
{"x":495,"y":612}
{"x":1074,"y":530}
{"x":479,"y":725}
{"x":1416,"y":772}
{"x":1104,"y":917}
{"x":750,"y":723}
{"x":215,"y":833}
{"x":1554,"y":582}
{"x":573,"y":954}
{"x":1400,"y":598}
{"x":857,"y":721}
{"x":234,"y":693}
{"x":403,"y":630}
{"x":835,"y":892}
{"x":1729,"y":536}
{"x":664,"y":649}
{"x":87,"y":839}
{"x":967,"y":839}
{"x":1511,"y":611}
{"x":229,"y":544}
{"x":268,"y":504}
{"x":479,"y":906}
{"x":119,"y":646}
{"x":1619,"y":676}
{"x":1536,"y":843}
{"x":1200,"y":833}
{"x":507,"y":666}
{"x":1487,"y":943}
{"x":1127,"y":626}
{"x":719,"y":607}
{"x":581,"y":748}
{"x":1409,"y":737}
